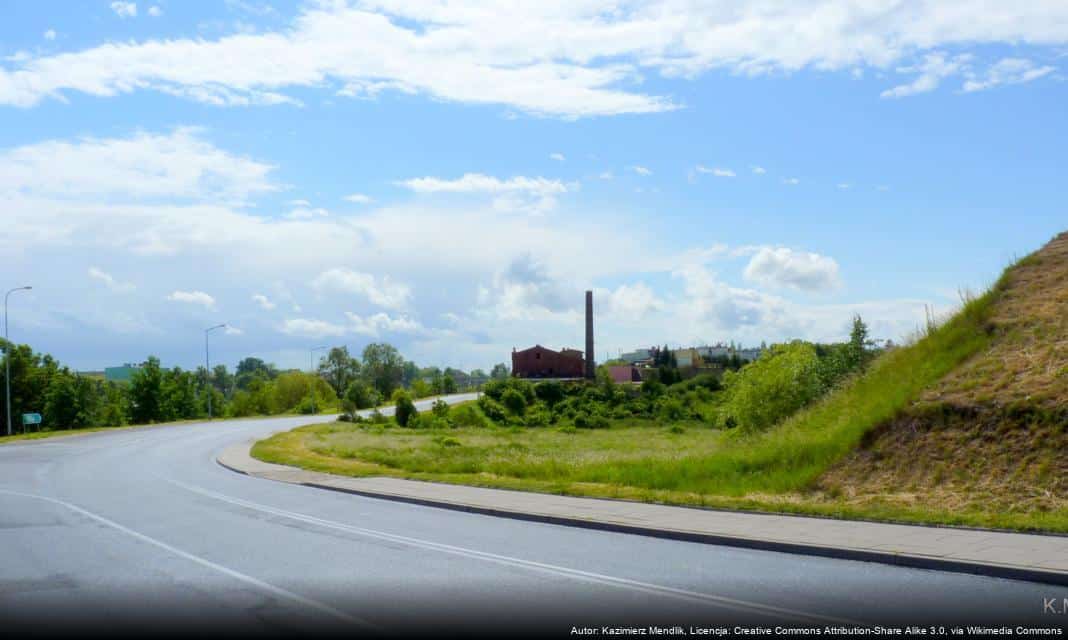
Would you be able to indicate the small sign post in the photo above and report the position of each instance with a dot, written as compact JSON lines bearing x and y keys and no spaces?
{"x":29,"y":419}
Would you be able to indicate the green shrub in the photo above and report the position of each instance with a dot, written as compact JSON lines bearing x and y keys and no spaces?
{"x":671,"y":409}
{"x":588,"y":420}
{"x":538,"y":417}
{"x":468,"y":415}
{"x":785,"y":378}
{"x":405,"y":408}
{"x":514,"y":401}
{"x":307,"y":405}
{"x":492,"y":409}
{"x":440,"y":409}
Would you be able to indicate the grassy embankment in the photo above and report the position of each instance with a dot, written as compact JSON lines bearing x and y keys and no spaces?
{"x":896,"y":443}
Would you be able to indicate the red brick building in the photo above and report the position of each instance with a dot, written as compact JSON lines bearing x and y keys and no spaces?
{"x":539,"y":362}
{"x":625,"y":373}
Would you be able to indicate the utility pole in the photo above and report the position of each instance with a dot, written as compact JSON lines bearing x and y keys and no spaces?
{"x":7,"y":358}
{"x":311,"y":370}
{"x":207,"y":363}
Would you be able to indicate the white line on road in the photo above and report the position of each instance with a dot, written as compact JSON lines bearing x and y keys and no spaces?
{"x":645,"y":587}
{"x":270,"y":588}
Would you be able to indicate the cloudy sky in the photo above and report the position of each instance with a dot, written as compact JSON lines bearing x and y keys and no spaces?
{"x":450,"y":177}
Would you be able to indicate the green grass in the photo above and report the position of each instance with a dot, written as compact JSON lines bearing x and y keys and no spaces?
{"x":775,"y":470}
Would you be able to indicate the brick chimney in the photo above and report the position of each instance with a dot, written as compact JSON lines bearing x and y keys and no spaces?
{"x":589,"y":336}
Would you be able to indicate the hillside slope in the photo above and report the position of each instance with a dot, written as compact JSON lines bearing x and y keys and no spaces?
{"x":992,"y":435}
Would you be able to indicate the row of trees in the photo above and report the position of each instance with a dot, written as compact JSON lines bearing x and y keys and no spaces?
{"x":69,"y":400}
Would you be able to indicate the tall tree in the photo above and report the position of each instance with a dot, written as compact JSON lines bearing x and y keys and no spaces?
{"x":146,"y":392}
{"x":500,"y":371}
{"x":383,"y":367}
{"x":251,"y":369}
{"x":339,"y":369}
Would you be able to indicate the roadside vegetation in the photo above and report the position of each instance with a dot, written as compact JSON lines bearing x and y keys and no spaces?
{"x":70,"y":401}
{"x":838,"y":430}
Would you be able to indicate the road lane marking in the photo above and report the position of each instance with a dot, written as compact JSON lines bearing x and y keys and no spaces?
{"x":587,"y":576}
{"x":265,"y":586}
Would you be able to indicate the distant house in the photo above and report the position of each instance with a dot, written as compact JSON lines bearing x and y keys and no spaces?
{"x":638,"y":355}
{"x":687,"y":357}
{"x":120,"y":374}
{"x":541,"y":362}
{"x":749,"y":355}
{"x":625,"y":373}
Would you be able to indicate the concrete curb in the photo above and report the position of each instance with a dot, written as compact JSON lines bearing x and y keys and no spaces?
{"x":237,"y":459}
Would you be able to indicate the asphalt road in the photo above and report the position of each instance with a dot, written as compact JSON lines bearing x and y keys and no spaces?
{"x":142,"y":528}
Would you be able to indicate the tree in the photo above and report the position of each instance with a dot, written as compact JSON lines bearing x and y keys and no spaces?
{"x":70,"y":402}
{"x":383,"y":367}
{"x":409,"y":373}
{"x":358,"y":396}
{"x":222,"y":380}
{"x":146,"y":392}
{"x":178,"y":395}
{"x":339,"y":369}
{"x":448,"y":384}
{"x":251,"y":369}
{"x":500,"y":371}
{"x":857,"y":353}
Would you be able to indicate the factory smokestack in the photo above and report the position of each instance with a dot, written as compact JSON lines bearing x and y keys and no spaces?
{"x":589,"y":336}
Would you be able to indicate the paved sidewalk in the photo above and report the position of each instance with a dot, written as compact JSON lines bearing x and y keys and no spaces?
{"x":1042,"y":558}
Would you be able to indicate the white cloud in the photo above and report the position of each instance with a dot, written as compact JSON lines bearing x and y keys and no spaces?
{"x":633,"y":301}
{"x":1008,"y":71}
{"x":383,"y":292}
{"x":50,"y":34}
{"x":155,"y":11}
{"x":536,"y":195}
{"x":526,"y":288}
{"x":843,"y":185}
{"x":263,"y":301}
{"x":606,"y":175}
{"x":358,"y":198}
{"x":310,"y":328}
{"x":784,"y":267}
{"x":640,"y":170}
{"x":791,"y":181}
{"x":719,"y":172}
{"x":179,"y":164}
{"x":559,"y":157}
{"x":233,"y":331}
{"x":594,"y":64}
{"x":758,"y":170}
{"x":109,"y":281}
{"x":307,"y":213}
{"x":380,"y":323}
{"x":125,"y":9}
{"x":193,"y":297}
{"x":934,"y":68}
{"x":300,"y":203}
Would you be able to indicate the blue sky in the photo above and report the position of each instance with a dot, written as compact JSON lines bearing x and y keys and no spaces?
{"x":451,"y":179}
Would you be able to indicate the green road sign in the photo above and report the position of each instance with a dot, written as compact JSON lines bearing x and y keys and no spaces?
{"x":31,"y":418}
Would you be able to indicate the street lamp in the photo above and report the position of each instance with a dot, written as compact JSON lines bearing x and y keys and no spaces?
{"x":7,"y":358}
{"x":311,"y":370}
{"x":207,"y":362}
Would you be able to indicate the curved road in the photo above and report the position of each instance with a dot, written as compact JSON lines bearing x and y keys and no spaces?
{"x":142,"y":528}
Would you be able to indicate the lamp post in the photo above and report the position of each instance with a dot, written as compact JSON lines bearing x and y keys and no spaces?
{"x":7,"y":358}
{"x":207,"y":363}
{"x":311,"y":369}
